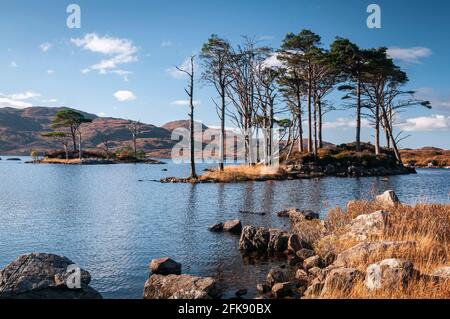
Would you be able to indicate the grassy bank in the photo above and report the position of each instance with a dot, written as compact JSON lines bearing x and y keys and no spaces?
{"x":427,"y":225}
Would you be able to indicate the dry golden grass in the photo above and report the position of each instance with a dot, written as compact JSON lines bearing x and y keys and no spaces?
{"x":244,"y":173}
{"x":428,"y":225}
{"x":423,"y":157}
{"x":47,"y":160}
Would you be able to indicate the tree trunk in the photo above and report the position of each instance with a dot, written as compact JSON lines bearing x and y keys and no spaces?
{"x":80,"y":155}
{"x":222,"y":131}
{"x":73,"y":133}
{"x":191,"y":103}
{"x":300,"y":126}
{"x":310,"y":145}
{"x":319,"y":110}
{"x":358,"y":115}
{"x":377,"y":129}
{"x":391,"y":136}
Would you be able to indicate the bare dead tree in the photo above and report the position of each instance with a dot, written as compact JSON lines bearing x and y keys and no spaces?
{"x":135,"y":128}
{"x":190,"y":92}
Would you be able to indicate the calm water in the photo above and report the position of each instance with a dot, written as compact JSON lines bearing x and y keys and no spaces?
{"x":112,"y":224}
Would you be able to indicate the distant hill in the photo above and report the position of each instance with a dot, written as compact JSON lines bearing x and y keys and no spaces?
{"x":21,"y":131}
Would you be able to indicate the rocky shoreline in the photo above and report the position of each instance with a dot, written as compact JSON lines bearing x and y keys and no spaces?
{"x":369,"y":260}
{"x":94,"y":161}
{"x":300,"y":171}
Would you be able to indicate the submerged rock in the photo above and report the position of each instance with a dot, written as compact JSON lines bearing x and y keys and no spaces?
{"x":216,"y":228}
{"x":180,"y":287}
{"x":165,"y":266}
{"x":44,"y":276}
{"x":389,"y":274}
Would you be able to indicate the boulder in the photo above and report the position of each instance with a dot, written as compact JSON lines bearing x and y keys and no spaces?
{"x":233,"y":226}
{"x":314,"y":289}
{"x":180,"y":287}
{"x":216,"y":228}
{"x":341,"y":280}
{"x":389,"y":274}
{"x":254,"y":239}
{"x":278,"y":241}
{"x":165,"y":266}
{"x":388,"y":199}
{"x":303,"y":214}
{"x":294,"y":244}
{"x":367,"y":225}
{"x":44,"y":276}
{"x":361,"y":252}
{"x":305,"y":253}
{"x":315,"y":272}
{"x":310,"y":215}
{"x":276,"y":275}
{"x":282,"y":289}
{"x":301,"y":277}
{"x":442,"y":273}
{"x":263,"y":288}
{"x":314,"y":261}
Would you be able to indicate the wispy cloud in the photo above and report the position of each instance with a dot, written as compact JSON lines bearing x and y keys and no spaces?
{"x":18,"y":100}
{"x":118,"y":51}
{"x":50,"y":72}
{"x":13,"y":64}
{"x":426,"y":123}
{"x":124,"y":96}
{"x":45,"y":46}
{"x":165,"y":44}
{"x":345,"y":123}
{"x":409,"y":55}
{"x":439,"y":100}
{"x":184,"y":103}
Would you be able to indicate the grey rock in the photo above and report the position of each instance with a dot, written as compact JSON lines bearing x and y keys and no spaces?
{"x":43,"y":276}
{"x":180,"y":287}
{"x":254,"y":239}
{"x":389,"y":274}
{"x":165,"y":266}
{"x":388,"y":199}
{"x":342,"y":280}
{"x":233,"y":226}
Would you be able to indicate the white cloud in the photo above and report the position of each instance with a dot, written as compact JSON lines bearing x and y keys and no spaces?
{"x":118,"y":52}
{"x":124,"y":96}
{"x":24,"y":95}
{"x":186,"y":66}
{"x":272,"y":61}
{"x":426,"y":123}
{"x":50,"y":72}
{"x":165,"y":44}
{"x":45,"y":46}
{"x":13,"y":64}
{"x":184,"y":103}
{"x":409,"y":55}
{"x":345,"y":123}
{"x":18,"y":100}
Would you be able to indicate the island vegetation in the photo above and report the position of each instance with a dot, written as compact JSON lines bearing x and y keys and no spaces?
{"x":258,"y":86}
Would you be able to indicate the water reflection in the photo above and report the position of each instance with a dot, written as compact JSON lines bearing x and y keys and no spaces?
{"x":104,"y":219}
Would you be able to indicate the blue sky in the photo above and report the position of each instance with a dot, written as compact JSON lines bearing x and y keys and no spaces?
{"x":119,"y":62}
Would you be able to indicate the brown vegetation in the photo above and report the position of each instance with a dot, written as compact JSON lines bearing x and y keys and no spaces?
{"x":425,"y":156}
{"x":428,"y":225}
